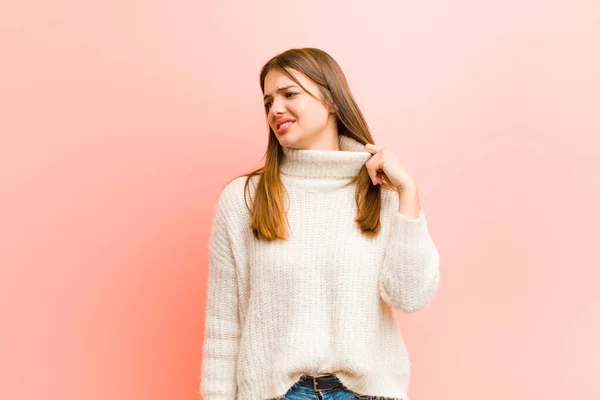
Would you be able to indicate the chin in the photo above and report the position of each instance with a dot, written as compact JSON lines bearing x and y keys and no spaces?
{"x":285,"y":141}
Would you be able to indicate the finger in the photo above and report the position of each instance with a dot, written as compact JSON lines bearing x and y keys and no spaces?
{"x":371,"y":148}
{"x":372,"y":167}
{"x":376,"y":147}
{"x":378,"y":177}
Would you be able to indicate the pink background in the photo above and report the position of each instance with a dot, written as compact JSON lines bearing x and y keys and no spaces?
{"x":122,"y":120}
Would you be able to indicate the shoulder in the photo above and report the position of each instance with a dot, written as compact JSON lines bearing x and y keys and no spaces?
{"x":234,"y":191}
{"x":235,"y":199}
{"x":389,"y":199}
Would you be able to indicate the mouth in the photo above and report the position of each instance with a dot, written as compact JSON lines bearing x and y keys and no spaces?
{"x":284,"y":127}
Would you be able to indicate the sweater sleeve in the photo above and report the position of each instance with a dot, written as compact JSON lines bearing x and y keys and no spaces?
{"x":411,"y":272}
{"x":222,"y":326}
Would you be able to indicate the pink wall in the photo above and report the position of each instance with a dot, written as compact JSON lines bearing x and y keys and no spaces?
{"x":118,"y":123}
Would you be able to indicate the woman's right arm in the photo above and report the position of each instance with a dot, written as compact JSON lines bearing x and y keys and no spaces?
{"x":222,"y":326}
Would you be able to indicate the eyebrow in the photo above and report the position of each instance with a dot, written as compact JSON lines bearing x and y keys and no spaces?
{"x":279,"y":90}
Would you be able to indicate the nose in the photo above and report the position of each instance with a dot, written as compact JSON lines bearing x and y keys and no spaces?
{"x":277,"y":107}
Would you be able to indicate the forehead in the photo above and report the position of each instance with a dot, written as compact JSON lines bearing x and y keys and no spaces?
{"x":276,"y":79}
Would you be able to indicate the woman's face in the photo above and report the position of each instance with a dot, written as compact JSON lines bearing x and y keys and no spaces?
{"x":284,"y":99}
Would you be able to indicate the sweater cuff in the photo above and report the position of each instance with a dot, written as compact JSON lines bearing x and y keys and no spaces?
{"x":404,"y":217}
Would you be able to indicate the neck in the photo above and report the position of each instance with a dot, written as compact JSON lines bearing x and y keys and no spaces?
{"x":338,"y":166}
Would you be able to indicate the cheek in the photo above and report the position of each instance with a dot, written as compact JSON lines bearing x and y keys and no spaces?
{"x":270,"y":120}
{"x":313,"y":116}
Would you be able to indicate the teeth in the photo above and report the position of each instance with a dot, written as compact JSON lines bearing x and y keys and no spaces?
{"x":285,"y":124}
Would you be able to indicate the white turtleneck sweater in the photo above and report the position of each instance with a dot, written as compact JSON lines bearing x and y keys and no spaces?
{"x":320,"y":302}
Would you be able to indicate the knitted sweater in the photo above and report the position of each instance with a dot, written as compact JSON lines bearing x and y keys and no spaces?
{"x":320,"y":302}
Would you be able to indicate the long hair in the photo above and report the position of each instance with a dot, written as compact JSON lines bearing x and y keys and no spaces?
{"x":268,"y":219}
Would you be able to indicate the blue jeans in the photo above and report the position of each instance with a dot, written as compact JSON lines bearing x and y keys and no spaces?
{"x":298,"y":392}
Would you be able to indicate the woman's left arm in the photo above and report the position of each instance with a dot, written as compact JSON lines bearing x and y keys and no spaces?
{"x":411,"y":265}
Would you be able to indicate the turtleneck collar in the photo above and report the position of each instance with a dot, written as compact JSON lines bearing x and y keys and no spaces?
{"x":343,"y":163}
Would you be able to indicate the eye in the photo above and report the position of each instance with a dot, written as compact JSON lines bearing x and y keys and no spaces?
{"x":268,"y":103}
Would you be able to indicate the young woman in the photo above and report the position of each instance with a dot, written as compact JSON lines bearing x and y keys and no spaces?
{"x":309,"y":254}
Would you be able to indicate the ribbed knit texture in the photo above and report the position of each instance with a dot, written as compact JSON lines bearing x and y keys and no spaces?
{"x":320,"y":302}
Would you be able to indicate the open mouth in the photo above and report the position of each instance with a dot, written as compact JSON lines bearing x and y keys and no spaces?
{"x":284,"y":127}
